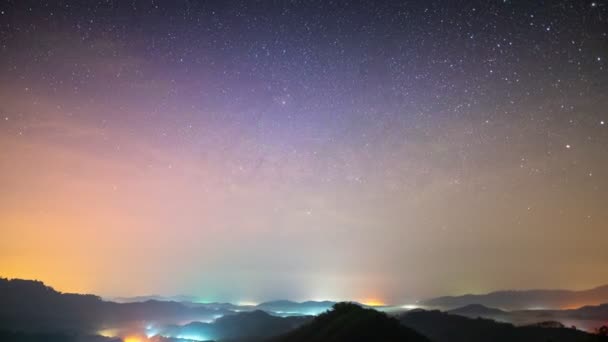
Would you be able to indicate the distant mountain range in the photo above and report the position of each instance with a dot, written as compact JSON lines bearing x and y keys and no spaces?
{"x":525,"y":300}
{"x":280,"y":307}
{"x":506,"y":300}
{"x":260,"y":324}
{"x":477,"y":310}
{"x":33,"y":312}
{"x":586,"y":317}
{"x":302,"y":308}
{"x":135,"y":299}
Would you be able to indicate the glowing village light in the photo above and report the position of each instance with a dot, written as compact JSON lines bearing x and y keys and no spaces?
{"x":192,"y":337}
{"x":373,"y":302}
{"x":247,"y":303}
{"x":110,"y":333}
{"x":151,"y":333}
{"x":410,"y":306}
{"x":134,"y":338}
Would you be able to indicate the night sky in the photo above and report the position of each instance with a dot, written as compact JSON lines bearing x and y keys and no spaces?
{"x":256,"y":150}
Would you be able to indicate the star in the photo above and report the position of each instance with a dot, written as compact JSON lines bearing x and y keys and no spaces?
{"x":270,"y":115}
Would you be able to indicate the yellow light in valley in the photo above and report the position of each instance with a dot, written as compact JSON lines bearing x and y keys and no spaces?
{"x":373,"y":302}
{"x":108,"y":333}
{"x":134,"y":338}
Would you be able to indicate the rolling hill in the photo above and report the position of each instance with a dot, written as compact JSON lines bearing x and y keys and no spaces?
{"x":348,"y":322}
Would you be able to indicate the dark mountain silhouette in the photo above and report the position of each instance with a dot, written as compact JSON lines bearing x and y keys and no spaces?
{"x":586,"y":318}
{"x":302,"y":308}
{"x":251,"y":325}
{"x":547,"y":324}
{"x":523,"y":300}
{"x":190,"y":301}
{"x":135,"y":299}
{"x":31,"y":306}
{"x":257,"y":323}
{"x":350,"y":322}
{"x":588,"y":312}
{"x":10,"y":336}
{"x":478,"y":310}
{"x":444,"y":327}
{"x":31,"y":311}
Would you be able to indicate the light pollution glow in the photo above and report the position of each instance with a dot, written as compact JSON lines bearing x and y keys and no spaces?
{"x":373,"y":302}
{"x":135,"y":338}
{"x":277,"y":154}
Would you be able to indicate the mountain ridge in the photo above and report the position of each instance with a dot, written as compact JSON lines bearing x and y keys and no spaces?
{"x":353,"y":323}
{"x":525,"y":299}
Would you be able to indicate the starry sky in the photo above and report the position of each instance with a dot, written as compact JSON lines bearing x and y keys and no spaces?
{"x":255,"y":150}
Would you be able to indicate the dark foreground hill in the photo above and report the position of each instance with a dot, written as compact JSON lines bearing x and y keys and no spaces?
{"x":252,"y":325}
{"x":444,"y":327}
{"x":586,"y":318}
{"x":347,"y":322}
{"x":10,"y":336}
{"x":30,"y":306}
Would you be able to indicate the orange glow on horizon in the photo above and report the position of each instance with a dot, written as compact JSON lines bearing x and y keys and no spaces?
{"x":135,"y":338}
{"x":373,"y":302}
{"x":574,"y":306}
